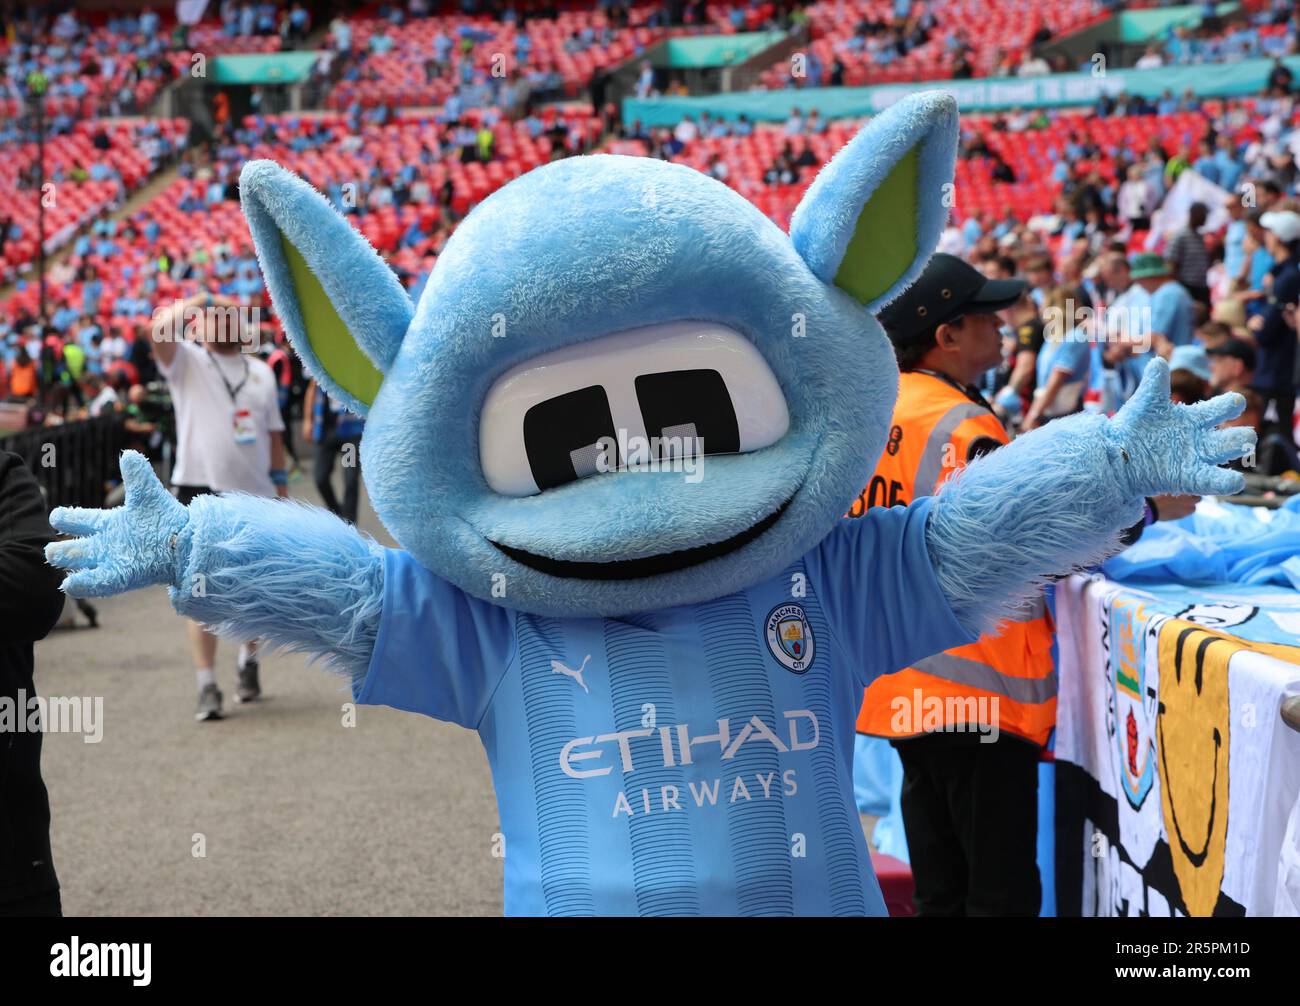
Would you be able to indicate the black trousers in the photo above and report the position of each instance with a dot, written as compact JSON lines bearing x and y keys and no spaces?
{"x":328,"y":448}
{"x":970,"y":812}
{"x":47,"y":904}
{"x":286,"y":417}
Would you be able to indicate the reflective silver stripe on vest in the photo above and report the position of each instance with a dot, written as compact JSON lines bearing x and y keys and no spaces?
{"x":931,"y":466}
{"x":963,"y":671}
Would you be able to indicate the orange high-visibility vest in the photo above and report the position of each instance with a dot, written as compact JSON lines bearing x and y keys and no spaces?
{"x":936,"y":430}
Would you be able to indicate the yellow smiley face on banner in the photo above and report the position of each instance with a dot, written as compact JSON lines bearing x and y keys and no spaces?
{"x":1192,"y":733}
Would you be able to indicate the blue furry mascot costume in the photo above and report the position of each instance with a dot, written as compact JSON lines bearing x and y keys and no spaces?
{"x":664,"y":670}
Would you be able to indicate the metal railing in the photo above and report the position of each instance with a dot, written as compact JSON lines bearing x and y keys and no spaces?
{"x":73,"y":462}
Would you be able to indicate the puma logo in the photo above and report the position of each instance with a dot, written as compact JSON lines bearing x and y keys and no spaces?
{"x":557,"y":667}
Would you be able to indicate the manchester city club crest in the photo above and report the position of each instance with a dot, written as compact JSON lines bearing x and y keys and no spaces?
{"x":790,"y":637}
{"x":1134,"y":698}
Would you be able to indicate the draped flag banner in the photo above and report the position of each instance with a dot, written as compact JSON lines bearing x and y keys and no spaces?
{"x":1176,"y":774}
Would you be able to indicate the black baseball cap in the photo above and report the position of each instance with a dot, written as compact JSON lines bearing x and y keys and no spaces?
{"x":1238,"y":349}
{"x":947,"y":289}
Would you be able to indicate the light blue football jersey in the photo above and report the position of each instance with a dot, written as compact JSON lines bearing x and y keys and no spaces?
{"x":691,"y":761}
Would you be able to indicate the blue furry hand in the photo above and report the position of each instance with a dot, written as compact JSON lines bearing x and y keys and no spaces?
{"x":121,"y":549}
{"x":1166,"y":448}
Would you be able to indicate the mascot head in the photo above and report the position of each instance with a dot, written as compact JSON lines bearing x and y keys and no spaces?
{"x":623,"y":388}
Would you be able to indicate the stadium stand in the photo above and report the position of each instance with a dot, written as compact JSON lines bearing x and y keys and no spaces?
{"x":417,"y":130}
{"x":858,"y":42}
{"x":88,"y":170}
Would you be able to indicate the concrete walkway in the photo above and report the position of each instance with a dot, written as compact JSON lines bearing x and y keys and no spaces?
{"x":300,"y":814}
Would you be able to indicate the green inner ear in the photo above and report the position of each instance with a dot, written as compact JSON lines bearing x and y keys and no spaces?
{"x":330,"y":339}
{"x":883,"y":245}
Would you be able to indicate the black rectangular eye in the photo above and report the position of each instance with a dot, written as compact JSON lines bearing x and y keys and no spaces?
{"x":689,"y":403}
{"x":562,"y":434}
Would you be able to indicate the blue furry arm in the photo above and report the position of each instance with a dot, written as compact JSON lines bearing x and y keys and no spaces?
{"x":1058,"y":499}
{"x":290,"y":574}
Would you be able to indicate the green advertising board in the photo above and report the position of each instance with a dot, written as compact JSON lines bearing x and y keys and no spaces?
{"x":696,"y":52}
{"x":981,"y":94}
{"x":262,"y":68}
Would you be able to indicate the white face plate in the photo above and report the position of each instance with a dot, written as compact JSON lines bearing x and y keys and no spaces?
{"x":613,"y":363}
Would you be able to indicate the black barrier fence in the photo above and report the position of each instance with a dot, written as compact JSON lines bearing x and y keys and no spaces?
{"x":72,"y":461}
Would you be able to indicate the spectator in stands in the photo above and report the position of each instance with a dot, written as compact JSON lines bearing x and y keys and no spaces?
{"x":22,"y":376}
{"x":1063,"y":363}
{"x":780,"y":173}
{"x":686,"y":131}
{"x":103,"y":393}
{"x":1027,"y":331}
{"x":1040,"y":275}
{"x":486,"y":141}
{"x":1188,"y":257}
{"x":1033,"y":65}
{"x":1274,"y":334}
{"x":1176,"y":165}
{"x":1173,"y":313}
{"x":1280,"y":79}
{"x":805,"y":158}
{"x":465,"y":137}
{"x":298,"y":24}
{"x":1189,"y":374}
{"x":1206,"y":164}
{"x":645,"y":80}
{"x":228,"y":439}
{"x":1150,"y":59}
{"x":52,"y":376}
{"x":1234,"y":242}
{"x":336,"y":432}
{"x":1258,"y":260}
{"x":1232,"y":363}
{"x":341,"y":33}
{"x":1153,"y":169}
{"x":1135,"y":200}
{"x":1217,"y":331}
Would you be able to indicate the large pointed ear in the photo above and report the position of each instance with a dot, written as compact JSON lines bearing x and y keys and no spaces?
{"x":342,"y":307}
{"x":873,"y":216}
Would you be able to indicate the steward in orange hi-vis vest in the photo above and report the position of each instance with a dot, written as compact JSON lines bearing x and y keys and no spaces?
{"x":1008,"y":676}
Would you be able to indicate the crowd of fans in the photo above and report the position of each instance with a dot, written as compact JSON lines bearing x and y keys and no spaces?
{"x":1266,"y":32}
{"x":117,"y":65}
{"x":858,"y":42}
{"x":1088,"y":204}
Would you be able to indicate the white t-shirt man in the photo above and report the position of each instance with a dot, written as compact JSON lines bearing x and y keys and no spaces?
{"x":106,"y":398}
{"x":115,"y":347}
{"x":226,"y":410}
